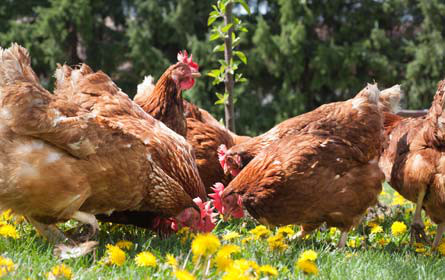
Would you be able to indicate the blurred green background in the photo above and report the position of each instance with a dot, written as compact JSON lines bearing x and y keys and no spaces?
{"x":301,"y":53}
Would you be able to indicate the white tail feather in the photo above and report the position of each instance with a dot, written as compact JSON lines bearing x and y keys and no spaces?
{"x":373,"y":92}
{"x":390,"y":98}
{"x":144,"y":89}
{"x":15,"y":66}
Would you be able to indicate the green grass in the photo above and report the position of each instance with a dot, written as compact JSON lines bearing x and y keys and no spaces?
{"x":33,"y":256}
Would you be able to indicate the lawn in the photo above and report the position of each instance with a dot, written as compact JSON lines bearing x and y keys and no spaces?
{"x":385,"y":252}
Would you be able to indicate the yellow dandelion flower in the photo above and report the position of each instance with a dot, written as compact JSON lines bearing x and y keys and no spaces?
{"x":421,"y":250}
{"x":186,"y":234}
{"x":60,"y":271}
{"x":183,"y":231}
{"x":6,"y":215}
{"x":309,"y":255}
{"x":247,"y":239}
{"x":124,"y":244}
{"x":231,"y":235}
{"x":286,"y":230}
{"x":115,"y":255}
{"x":441,"y":248}
{"x":260,"y":232}
{"x":332,"y":231}
{"x":418,"y":245}
{"x":6,"y":266}
{"x":350,"y":255}
{"x":9,"y":231}
{"x":268,"y":270}
{"x":398,"y":199}
{"x":276,"y":242}
{"x":184,"y":275}
{"x":145,"y":259}
{"x":372,"y":224}
{"x":376,"y":229}
{"x":398,"y":228}
{"x":383,"y":241}
{"x":222,"y":258}
{"x":222,"y":262}
{"x":352,"y":243}
{"x":241,"y":269}
{"x":205,"y":244}
{"x":171,"y":260}
{"x":307,"y":266}
{"x":229,"y":249}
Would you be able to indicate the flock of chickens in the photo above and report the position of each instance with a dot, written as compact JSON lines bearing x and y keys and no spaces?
{"x":88,"y":152}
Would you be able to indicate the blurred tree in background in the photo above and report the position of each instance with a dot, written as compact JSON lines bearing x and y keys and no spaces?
{"x":301,"y":53}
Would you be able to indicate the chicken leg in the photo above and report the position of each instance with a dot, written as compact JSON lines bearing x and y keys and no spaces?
{"x":343,"y":239}
{"x":49,"y":232}
{"x":438,"y":237}
{"x":417,"y":227}
{"x":307,"y":229}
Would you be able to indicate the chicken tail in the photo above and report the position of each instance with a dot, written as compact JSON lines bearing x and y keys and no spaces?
{"x":144,"y":90}
{"x":15,"y":65}
{"x":67,"y":78}
{"x":389,"y":99}
{"x":373,"y":93}
{"x":437,"y":111}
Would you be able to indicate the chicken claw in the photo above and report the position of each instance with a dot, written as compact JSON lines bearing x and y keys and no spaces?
{"x":439,"y":232}
{"x":88,"y":219}
{"x":418,"y":233}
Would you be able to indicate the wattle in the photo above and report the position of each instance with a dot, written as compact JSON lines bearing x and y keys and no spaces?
{"x":187,"y":84}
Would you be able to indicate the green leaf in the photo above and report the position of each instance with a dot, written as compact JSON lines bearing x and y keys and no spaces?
{"x":211,"y":20}
{"x":214,"y":36}
{"x":214,"y":73}
{"x":235,"y":41}
{"x":221,"y":98}
{"x":226,"y":28}
{"x":219,"y":48}
{"x":214,"y":14}
{"x":243,"y":29}
{"x":245,"y":6}
{"x":241,"y":56}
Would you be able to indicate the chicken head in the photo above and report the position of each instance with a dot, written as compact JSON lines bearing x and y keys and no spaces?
{"x":229,"y":205}
{"x":230,"y":163}
{"x":185,"y":71}
{"x":202,"y":221}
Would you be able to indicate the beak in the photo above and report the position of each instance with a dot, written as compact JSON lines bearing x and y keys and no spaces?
{"x":196,"y":74}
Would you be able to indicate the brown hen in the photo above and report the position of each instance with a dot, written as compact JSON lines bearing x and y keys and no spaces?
{"x":237,"y":157}
{"x":414,"y":164}
{"x":69,"y":160}
{"x":206,"y":134}
{"x":328,"y":172}
{"x":164,"y":101}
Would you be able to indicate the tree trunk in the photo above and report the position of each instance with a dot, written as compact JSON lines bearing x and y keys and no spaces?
{"x":228,"y":106}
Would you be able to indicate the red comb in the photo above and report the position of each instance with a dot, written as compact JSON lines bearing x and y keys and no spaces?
{"x":218,"y":189}
{"x":208,"y":219}
{"x":184,"y":58}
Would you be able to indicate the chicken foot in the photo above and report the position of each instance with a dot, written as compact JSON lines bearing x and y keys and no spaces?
{"x":439,"y":232}
{"x":417,"y":227}
{"x":87,"y":219}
